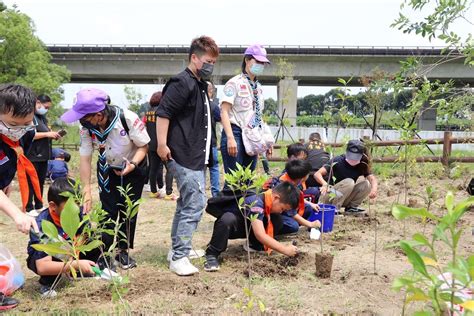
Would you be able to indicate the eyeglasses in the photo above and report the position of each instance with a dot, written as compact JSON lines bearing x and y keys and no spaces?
{"x":26,"y":128}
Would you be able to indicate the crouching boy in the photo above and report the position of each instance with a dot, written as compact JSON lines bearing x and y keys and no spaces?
{"x":47,"y":267}
{"x":231,"y":224}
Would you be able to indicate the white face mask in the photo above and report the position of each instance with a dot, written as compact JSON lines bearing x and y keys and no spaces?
{"x":14,"y":133}
{"x":42,"y":110}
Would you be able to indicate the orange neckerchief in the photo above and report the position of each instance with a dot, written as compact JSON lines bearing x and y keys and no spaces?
{"x":56,"y":218}
{"x":267,"y":195}
{"x":25,"y":169}
{"x":285,"y":178}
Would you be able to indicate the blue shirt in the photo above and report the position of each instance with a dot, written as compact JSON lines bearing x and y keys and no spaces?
{"x":57,"y":169}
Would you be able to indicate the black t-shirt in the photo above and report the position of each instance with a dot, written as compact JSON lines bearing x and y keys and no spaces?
{"x":8,"y":159}
{"x":317,"y":156}
{"x":342,"y":170}
{"x":41,"y":148}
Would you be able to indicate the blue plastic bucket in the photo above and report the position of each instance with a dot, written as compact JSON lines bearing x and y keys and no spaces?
{"x":329,"y":212}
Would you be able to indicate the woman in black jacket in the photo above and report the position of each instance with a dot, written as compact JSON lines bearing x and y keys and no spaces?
{"x":40,"y":151}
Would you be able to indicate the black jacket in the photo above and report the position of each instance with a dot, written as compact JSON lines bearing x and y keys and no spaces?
{"x":183,"y":103}
{"x":41,"y":148}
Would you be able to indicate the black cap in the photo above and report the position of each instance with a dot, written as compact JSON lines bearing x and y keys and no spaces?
{"x":355,"y":150}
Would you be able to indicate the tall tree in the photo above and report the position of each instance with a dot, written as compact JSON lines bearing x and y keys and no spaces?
{"x":24,"y":58}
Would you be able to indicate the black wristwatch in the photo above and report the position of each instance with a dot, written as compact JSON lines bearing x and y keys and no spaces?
{"x":134,"y":163}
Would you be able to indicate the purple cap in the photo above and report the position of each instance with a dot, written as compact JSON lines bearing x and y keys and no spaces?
{"x":88,"y":101}
{"x":257,"y":52}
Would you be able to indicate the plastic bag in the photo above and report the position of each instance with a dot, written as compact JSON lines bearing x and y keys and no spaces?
{"x":11,"y":276}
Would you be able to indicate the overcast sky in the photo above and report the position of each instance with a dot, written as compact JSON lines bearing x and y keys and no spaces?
{"x":229,"y":22}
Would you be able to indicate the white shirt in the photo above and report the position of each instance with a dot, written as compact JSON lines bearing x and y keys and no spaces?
{"x":118,"y":144}
{"x":209,"y":129}
{"x":239,"y":93}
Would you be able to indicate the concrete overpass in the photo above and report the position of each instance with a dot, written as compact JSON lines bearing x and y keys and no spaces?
{"x":313,"y":65}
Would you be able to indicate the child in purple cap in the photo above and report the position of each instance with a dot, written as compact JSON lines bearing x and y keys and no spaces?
{"x":242,"y":105}
{"x":122,"y":142}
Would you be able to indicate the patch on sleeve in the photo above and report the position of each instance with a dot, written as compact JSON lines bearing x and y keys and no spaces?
{"x":229,"y":90}
{"x":3,"y":158}
{"x":256,"y":209}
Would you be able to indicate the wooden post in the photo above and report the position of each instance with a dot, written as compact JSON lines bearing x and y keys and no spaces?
{"x":446,"y":148}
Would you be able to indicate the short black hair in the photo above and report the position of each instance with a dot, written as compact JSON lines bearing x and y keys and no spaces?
{"x":16,"y":99}
{"x":289,"y":194}
{"x":202,"y":45}
{"x":59,"y":186}
{"x":297,"y":168}
{"x":43,"y":98}
{"x":295,"y":149}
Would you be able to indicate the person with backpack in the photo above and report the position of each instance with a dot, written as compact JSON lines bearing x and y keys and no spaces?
{"x":122,"y":142}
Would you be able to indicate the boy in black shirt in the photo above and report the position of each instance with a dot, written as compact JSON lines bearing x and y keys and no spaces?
{"x":350,"y":176}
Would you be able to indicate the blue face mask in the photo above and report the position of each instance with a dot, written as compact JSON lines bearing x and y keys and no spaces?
{"x":257,"y":69}
{"x":42,"y":111}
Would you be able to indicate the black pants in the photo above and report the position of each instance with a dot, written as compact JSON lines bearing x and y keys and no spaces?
{"x":156,"y":174}
{"x":48,"y":280}
{"x":41,"y":169}
{"x":113,"y":203}
{"x":232,"y":226}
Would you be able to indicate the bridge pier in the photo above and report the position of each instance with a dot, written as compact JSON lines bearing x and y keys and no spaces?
{"x":427,"y":121}
{"x":287,"y":96}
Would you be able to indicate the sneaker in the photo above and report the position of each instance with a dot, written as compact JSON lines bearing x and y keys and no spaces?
{"x":146,"y":188}
{"x":353,"y":209}
{"x":211,"y":264}
{"x":155,"y":195}
{"x":251,"y":248}
{"x":161,"y":193}
{"x":183,"y":267}
{"x":125,"y":261}
{"x":47,"y":292}
{"x":33,"y":213}
{"x":106,"y":263}
{"x":7,"y":303}
{"x":193,"y":254}
{"x":170,"y":197}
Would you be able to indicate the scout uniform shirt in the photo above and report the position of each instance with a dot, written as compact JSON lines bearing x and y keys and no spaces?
{"x":238,"y":92}
{"x":118,"y":144}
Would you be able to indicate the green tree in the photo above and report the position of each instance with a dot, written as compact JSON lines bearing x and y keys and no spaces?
{"x":134,"y":98}
{"x":25,"y":59}
{"x":271,"y":107}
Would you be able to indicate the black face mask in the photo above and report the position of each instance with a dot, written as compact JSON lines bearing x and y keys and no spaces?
{"x":206,"y":70}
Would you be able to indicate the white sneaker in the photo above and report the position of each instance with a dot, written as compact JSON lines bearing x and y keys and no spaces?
{"x":193,"y":254}
{"x":146,"y":188}
{"x":161,"y":193}
{"x":33,"y":213}
{"x":250,"y":249}
{"x":183,"y":267}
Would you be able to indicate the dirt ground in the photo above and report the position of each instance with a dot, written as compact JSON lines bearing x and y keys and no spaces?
{"x":283,"y":285}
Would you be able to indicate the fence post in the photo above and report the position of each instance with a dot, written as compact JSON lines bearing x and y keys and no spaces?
{"x":446,"y":148}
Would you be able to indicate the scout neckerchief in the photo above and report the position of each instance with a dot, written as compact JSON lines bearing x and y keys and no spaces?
{"x":267,"y":195}
{"x":103,"y":166}
{"x":25,"y":169}
{"x":257,"y":120}
{"x":286,"y":178}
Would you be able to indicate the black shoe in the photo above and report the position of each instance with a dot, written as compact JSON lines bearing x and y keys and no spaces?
{"x":125,"y":261}
{"x":106,"y":263}
{"x":7,"y":303}
{"x":353,"y":209}
{"x":211,"y":264}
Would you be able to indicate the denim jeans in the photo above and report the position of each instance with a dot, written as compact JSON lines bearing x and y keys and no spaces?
{"x":242,"y":158}
{"x":189,"y":207}
{"x":214,"y":173}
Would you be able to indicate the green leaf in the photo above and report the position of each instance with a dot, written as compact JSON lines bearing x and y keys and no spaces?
{"x":422,"y":313}
{"x":247,"y":292}
{"x":449,"y":201}
{"x":51,"y":249}
{"x":414,"y":258}
{"x":73,"y":271}
{"x":90,"y":246}
{"x":261,"y":306}
{"x":421,"y":239}
{"x":49,"y":229}
{"x":402,"y":282}
{"x":400,"y":212}
{"x":70,"y":218}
